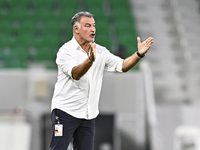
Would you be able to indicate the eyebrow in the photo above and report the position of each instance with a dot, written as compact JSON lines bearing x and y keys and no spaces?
{"x":89,"y":23}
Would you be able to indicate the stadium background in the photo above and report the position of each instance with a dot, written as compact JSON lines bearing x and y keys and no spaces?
{"x":161,"y":106}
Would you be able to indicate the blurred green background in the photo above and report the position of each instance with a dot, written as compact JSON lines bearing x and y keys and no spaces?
{"x":31,"y":31}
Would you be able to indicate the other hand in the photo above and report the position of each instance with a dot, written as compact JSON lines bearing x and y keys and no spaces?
{"x":144,"y":46}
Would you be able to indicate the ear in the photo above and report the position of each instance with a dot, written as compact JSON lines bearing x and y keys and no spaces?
{"x":76,"y":29}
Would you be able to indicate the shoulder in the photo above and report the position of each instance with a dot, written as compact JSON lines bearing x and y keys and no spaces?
{"x":66,"y":47}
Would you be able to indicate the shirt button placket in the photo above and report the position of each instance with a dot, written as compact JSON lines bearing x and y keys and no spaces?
{"x":88,"y":112}
{"x":89,"y":90}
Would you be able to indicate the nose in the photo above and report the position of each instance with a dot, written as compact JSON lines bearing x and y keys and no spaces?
{"x":93,"y":29}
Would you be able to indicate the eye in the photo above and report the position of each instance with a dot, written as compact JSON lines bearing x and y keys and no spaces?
{"x":87,"y":25}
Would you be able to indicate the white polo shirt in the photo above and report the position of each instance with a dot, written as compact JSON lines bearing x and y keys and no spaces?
{"x":80,"y":98}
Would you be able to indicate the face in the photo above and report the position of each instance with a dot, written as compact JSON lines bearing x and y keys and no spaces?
{"x":87,"y":29}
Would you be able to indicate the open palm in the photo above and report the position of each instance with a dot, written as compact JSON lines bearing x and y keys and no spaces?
{"x":143,"y":47}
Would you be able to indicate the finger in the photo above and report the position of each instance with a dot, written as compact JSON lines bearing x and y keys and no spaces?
{"x":94,"y":49}
{"x":91,"y":46}
{"x":139,"y":40}
{"x":149,"y":40}
{"x":94,"y":45}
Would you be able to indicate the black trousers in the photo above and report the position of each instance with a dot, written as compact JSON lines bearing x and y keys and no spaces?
{"x":81,"y":131}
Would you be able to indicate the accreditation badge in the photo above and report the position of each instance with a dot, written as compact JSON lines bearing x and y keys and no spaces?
{"x":58,"y":130}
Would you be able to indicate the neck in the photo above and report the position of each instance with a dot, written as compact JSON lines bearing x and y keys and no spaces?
{"x":84,"y":44}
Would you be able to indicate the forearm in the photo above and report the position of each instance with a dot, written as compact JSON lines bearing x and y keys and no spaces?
{"x":135,"y":58}
{"x":130,"y":62}
{"x":79,"y":70}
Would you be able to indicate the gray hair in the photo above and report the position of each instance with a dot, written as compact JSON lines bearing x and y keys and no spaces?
{"x":77,"y":17}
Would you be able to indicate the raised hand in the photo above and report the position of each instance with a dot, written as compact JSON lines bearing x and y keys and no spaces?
{"x":92,"y":52}
{"x":144,"y":46}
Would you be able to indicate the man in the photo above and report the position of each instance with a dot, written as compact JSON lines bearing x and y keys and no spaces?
{"x":81,"y":63}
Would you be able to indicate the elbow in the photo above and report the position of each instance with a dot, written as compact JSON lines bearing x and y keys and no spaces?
{"x":76,"y":77}
{"x":124,"y":66}
{"x":125,"y":70}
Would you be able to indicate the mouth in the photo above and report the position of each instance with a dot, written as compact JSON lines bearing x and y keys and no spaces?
{"x":92,"y":35}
